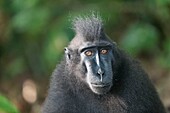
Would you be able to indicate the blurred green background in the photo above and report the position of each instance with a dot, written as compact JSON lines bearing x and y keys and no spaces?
{"x":33,"y":34}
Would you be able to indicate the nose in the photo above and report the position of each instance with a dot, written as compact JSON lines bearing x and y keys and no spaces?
{"x":100,"y":72}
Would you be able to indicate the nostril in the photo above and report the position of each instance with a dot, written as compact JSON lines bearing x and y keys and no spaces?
{"x":100,"y":72}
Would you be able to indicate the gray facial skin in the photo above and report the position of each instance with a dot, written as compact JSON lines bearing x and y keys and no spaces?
{"x":98,"y":62}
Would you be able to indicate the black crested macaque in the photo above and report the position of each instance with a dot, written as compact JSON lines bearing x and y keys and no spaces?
{"x":97,"y":77}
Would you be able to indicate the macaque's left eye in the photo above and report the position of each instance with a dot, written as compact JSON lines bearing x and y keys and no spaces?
{"x":104,"y":51}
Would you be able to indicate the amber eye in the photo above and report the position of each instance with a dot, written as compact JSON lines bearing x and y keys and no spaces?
{"x":104,"y":51}
{"x":89,"y":53}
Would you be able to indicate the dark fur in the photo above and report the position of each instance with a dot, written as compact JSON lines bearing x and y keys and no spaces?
{"x":131,"y":93}
{"x":89,"y":27}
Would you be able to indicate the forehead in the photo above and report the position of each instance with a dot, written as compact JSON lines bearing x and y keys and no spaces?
{"x":87,"y":45}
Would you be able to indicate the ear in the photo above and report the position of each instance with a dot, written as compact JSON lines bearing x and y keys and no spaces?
{"x":67,"y":53}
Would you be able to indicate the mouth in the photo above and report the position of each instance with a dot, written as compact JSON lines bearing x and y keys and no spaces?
{"x":100,"y":88}
{"x":100,"y":85}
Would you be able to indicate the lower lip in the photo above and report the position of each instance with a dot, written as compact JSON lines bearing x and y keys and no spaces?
{"x":100,"y":85}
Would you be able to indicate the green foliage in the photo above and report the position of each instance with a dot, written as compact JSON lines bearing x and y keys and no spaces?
{"x":164,"y":58}
{"x":24,"y":4}
{"x":54,"y":48}
{"x":15,"y":67}
{"x":6,"y":106}
{"x":31,"y":21}
{"x":140,"y":37}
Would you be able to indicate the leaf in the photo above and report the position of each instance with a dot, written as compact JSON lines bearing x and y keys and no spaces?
{"x":6,"y":106}
{"x":164,"y":58}
{"x":31,"y":21}
{"x":15,"y":67}
{"x":140,"y":37}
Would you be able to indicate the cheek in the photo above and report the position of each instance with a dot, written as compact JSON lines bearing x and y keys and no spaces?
{"x":89,"y":66}
{"x":109,"y":69}
{"x":80,"y":71}
{"x":84,"y":69}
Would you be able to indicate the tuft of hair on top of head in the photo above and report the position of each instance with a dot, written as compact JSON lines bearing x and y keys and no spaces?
{"x":89,"y":26}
